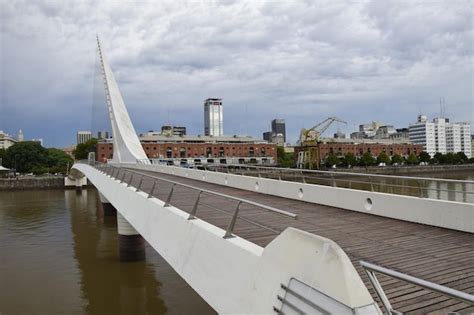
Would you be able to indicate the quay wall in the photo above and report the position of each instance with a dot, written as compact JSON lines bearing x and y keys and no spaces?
{"x":40,"y":182}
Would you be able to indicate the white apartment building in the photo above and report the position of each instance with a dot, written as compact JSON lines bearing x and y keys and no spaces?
{"x":213,"y":117}
{"x":441,"y":136}
{"x":83,"y":136}
{"x":6,"y":140}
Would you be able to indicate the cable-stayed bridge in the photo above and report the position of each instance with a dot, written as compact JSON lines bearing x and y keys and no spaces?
{"x":263,"y":241}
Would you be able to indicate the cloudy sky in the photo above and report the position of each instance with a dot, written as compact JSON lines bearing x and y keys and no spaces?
{"x":298,"y":60}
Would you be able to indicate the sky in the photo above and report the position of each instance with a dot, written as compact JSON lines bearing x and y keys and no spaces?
{"x":302,"y":61}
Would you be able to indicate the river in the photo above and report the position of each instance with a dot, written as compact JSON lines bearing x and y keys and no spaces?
{"x":59,"y":255}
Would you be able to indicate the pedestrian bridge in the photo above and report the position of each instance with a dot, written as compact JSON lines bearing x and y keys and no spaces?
{"x":246,"y":249}
{"x":263,"y":241}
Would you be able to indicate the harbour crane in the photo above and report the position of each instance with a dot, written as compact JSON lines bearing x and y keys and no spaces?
{"x":308,"y":156}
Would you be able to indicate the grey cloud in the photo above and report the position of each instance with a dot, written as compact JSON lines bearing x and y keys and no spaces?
{"x":301,"y":61}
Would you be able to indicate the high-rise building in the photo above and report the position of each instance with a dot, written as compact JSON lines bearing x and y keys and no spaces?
{"x":83,"y":136}
{"x":213,"y":117}
{"x":441,"y":136}
{"x":278,"y":127}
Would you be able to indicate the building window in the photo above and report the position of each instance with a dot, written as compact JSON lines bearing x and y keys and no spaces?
{"x":169,"y":152}
{"x":251,"y":151}
{"x":182,"y":152}
{"x":221,"y":151}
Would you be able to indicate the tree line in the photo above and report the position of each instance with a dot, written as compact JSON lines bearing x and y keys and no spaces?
{"x":31,"y":157}
{"x":367,"y":159}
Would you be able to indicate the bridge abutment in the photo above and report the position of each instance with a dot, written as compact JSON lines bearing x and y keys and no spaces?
{"x":131,"y":243}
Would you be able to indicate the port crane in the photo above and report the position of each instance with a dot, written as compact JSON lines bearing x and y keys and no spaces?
{"x":308,"y":156}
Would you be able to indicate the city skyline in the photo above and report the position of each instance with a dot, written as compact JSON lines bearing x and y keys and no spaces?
{"x":275,"y":60}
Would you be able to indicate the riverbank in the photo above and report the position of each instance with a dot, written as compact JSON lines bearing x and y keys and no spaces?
{"x":32,"y":182}
{"x":406,"y":170}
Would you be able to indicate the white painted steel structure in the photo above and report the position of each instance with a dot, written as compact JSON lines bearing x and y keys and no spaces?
{"x":127,"y":146}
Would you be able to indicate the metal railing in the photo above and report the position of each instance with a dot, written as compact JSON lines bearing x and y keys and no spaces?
{"x":401,"y":185}
{"x":128,"y":175}
{"x":371,"y":269}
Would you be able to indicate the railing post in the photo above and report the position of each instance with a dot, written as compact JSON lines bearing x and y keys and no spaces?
{"x":371,"y":183}
{"x":131,"y":180}
{"x":378,"y":289}
{"x":303,"y":178}
{"x":168,"y":200}
{"x":420,"y":186}
{"x":150,"y":195}
{"x":333,"y":180}
{"x":123,"y":176}
{"x":192,"y":214}
{"x":230,"y":228}
{"x":279,"y":174}
{"x":140,"y":183}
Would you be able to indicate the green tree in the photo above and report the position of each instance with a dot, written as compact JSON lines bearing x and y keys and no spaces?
{"x":284,"y":159}
{"x":397,"y":159}
{"x":424,"y":157}
{"x":383,"y":158}
{"x":81,"y":152}
{"x":350,"y":159}
{"x":437,"y":158}
{"x":449,"y":158}
{"x":26,"y":155}
{"x":461,"y":157}
{"x":58,"y":160}
{"x":412,"y":159}
{"x":367,"y":159}
{"x":331,"y":160}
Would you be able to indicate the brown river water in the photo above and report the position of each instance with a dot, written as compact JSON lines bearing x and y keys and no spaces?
{"x":59,"y":255}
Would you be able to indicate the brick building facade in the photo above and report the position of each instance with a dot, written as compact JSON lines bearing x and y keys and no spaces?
{"x":358,"y":149}
{"x":104,"y":151}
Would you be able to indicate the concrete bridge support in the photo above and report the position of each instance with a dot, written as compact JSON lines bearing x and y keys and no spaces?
{"x":131,"y":243}
{"x":109,"y":209}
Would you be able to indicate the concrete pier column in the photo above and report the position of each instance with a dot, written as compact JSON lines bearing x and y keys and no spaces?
{"x":109,"y":209}
{"x":131,"y":243}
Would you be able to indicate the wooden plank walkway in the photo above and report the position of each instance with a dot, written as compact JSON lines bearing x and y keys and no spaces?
{"x":435,"y":254}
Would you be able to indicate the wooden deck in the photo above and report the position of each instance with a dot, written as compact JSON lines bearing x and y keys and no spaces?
{"x":435,"y":254}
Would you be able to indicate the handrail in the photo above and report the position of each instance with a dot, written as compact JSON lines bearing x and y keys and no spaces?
{"x":114,"y":171}
{"x":418,"y":186}
{"x":253,"y":203}
{"x":346,"y":173}
{"x":370,"y":268}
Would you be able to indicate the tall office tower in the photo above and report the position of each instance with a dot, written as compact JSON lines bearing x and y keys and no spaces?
{"x":278,"y":127}
{"x":83,"y":136}
{"x":213,"y":118}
